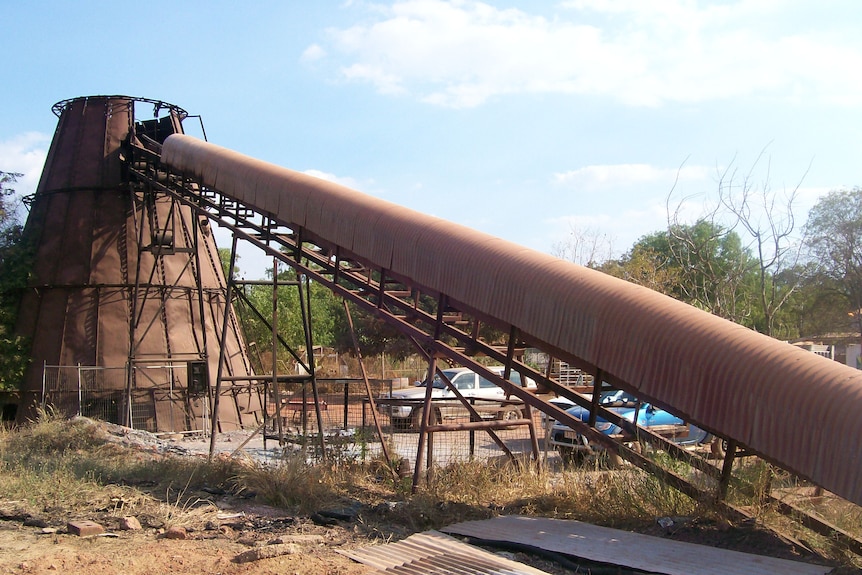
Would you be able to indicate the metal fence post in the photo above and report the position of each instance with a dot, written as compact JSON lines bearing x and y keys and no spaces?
{"x":346,"y":400}
{"x":79,"y":389}
{"x":44,"y":383}
{"x":129,"y":376}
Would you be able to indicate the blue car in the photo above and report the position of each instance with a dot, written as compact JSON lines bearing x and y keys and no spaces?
{"x":574,"y":446}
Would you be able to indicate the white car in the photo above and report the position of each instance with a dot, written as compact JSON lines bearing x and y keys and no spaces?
{"x":490,"y":399}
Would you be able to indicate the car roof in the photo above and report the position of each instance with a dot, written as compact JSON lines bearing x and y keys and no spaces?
{"x":494,"y":368}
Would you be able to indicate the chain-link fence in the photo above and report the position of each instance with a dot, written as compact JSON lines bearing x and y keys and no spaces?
{"x":156,"y":398}
{"x":85,"y":390}
{"x":347,"y":420}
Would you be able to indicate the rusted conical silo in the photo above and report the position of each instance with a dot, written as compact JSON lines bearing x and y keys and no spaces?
{"x":126,"y":299}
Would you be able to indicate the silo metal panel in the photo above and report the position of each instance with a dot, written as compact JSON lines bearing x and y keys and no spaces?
{"x":78,"y":306}
{"x":77,"y":237}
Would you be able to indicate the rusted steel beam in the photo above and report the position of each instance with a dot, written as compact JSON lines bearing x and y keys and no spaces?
{"x":276,"y":392}
{"x":280,"y":378}
{"x":479,"y":425}
{"x":423,"y":435}
{"x":221,"y":357}
{"x":328,"y":273}
{"x":368,"y":393}
{"x":305,"y":307}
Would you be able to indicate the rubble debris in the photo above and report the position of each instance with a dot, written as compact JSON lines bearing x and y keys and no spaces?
{"x":266,"y":552}
{"x":130,"y":524}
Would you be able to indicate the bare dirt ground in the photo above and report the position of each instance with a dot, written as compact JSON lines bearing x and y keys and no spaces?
{"x":25,"y":549}
{"x":225,"y":533}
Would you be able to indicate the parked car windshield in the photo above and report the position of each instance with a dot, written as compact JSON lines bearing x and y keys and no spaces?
{"x":464,"y":378}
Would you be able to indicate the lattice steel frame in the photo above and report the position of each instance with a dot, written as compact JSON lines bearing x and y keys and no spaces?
{"x":437,"y":323}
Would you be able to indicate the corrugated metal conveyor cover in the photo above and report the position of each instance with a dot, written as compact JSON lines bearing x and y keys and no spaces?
{"x":794,"y":407}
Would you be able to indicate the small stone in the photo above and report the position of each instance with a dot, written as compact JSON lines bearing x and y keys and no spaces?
{"x":130,"y":524}
{"x":176,"y":532}
{"x":267,"y":552}
{"x":84,"y":528}
{"x":35,"y":522}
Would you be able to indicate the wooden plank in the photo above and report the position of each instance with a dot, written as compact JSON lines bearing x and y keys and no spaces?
{"x":628,"y":549}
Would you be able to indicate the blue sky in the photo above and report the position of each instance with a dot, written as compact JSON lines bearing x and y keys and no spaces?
{"x":526,"y":120}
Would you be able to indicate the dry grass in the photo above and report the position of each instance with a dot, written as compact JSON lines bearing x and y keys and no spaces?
{"x":71,"y":466}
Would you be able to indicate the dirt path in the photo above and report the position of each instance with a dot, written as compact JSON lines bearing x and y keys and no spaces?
{"x":25,"y":549}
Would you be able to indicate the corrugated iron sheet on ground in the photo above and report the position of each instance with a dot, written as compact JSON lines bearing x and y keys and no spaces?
{"x":626,"y":549}
{"x":434,"y":552}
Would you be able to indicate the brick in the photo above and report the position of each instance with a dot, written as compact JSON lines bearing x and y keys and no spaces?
{"x":85,"y":528}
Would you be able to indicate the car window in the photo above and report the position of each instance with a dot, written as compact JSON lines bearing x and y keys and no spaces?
{"x":485,"y":383}
{"x":438,"y":382}
{"x":464,"y":380}
{"x":515,"y":378}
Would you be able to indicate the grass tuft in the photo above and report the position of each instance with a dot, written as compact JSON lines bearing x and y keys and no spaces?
{"x":77,"y":468}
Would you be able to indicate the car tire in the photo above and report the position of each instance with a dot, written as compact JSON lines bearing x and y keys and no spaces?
{"x":718,"y":447}
{"x":416,"y":418}
{"x":509,"y":414}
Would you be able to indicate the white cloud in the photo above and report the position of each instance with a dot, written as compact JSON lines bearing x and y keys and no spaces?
{"x":25,"y":154}
{"x":313,"y":53}
{"x":612,"y":176}
{"x":462,"y":52}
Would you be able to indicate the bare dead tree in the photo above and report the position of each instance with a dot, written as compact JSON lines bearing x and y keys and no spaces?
{"x":767,"y":217}
{"x":713,"y":265}
{"x":587,"y":247}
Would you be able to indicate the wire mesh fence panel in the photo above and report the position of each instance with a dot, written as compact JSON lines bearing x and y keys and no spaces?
{"x":455,"y":446}
{"x":347,"y":419}
{"x":102,"y":393}
{"x":160,"y":401}
{"x":61,"y":389}
{"x":155,"y":399}
{"x":94,"y":392}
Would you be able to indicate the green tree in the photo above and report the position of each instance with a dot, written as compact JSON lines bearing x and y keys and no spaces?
{"x":224,"y":258}
{"x":834,"y":241}
{"x":15,"y":257}
{"x":703,"y":264}
{"x":326,"y":313}
{"x":815,"y":307}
